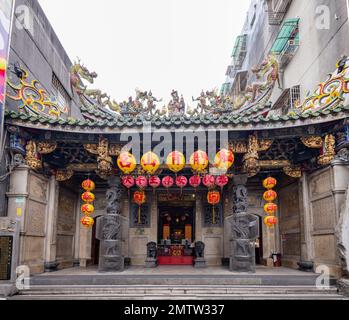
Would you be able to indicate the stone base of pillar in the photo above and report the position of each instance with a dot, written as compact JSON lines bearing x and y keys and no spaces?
{"x":151,"y":263}
{"x":111,"y":263}
{"x":306,"y":266}
{"x":51,"y":266}
{"x":243,"y":259}
{"x":343,"y":287}
{"x":200,"y":263}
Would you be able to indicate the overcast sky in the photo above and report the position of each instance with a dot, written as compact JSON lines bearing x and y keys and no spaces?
{"x":156,"y":45}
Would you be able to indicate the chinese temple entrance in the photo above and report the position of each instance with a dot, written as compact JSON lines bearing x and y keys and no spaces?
{"x":176,"y":229}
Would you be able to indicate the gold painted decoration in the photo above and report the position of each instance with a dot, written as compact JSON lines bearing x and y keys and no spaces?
{"x":331,"y":93}
{"x":293,"y":172}
{"x":328,"y":151}
{"x":33,"y":99}
{"x":312,"y":142}
{"x":32,"y":157}
{"x":46,"y":147}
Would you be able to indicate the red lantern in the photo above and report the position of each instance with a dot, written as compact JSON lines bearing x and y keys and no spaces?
{"x":195,"y":181}
{"x":154,"y":182}
{"x":87,"y":222}
{"x":270,"y":221}
{"x":270,"y":208}
{"x":269,"y":183}
{"x":141,"y":182}
{"x":139,"y":198}
{"x":181,"y":181}
{"x":88,"y":197}
{"x":222,"y":181}
{"x":213,"y":198}
{"x":208,"y":181}
{"x":87,"y":209}
{"x":269,"y":195}
{"x":167,"y":182}
{"x":88,"y":185}
{"x":128,"y":181}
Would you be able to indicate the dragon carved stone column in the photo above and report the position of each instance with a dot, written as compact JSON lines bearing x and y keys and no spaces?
{"x":110,"y":230}
{"x":244,"y":229}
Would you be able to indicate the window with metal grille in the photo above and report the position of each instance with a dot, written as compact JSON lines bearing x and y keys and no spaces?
{"x":239,"y":51}
{"x":62,"y":96}
{"x":288,"y":101}
{"x":289,"y":33}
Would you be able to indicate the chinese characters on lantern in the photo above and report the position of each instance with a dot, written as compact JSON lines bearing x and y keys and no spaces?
{"x":270,"y":207}
{"x":87,"y":208}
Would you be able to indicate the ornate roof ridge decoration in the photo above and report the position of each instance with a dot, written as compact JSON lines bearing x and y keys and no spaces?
{"x":209,"y":103}
{"x":248,"y":123}
{"x":32,"y":98}
{"x":331,"y":93}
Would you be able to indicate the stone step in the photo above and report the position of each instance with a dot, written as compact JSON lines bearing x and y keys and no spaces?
{"x":175,"y":280}
{"x":178,"y":292}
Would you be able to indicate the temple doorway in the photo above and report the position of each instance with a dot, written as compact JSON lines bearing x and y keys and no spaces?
{"x":176,"y":231}
{"x":94,"y":247}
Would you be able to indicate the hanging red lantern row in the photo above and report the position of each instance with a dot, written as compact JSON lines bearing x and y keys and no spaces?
{"x":195,"y":181}
{"x":181,"y":182}
{"x":209,"y":181}
{"x":167,"y":182}
{"x":270,"y":207}
{"x":87,"y":208}
{"x":222,"y":181}
{"x":141,"y":182}
{"x":154,"y":182}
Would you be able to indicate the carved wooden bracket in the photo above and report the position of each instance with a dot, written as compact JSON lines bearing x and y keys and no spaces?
{"x":64,"y":175}
{"x":294,"y":172}
{"x":46,"y":147}
{"x":32,"y":157}
{"x":251,"y":158}
{"x":312,"y":142}
{"x":104,"y":152}
{"x":329,"y":152}
{"x":242,"y":147}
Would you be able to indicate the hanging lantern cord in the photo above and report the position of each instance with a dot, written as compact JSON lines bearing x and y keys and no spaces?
{"x":213,"y":215}
{"x":139,"y":215}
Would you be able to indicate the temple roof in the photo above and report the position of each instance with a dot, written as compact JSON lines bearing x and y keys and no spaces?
{"x":31,"y":106}
{"x":235,"y":122}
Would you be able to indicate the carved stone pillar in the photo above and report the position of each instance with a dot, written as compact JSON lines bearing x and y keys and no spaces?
{"x":244,"y":229}
{"x":109,"y":230}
